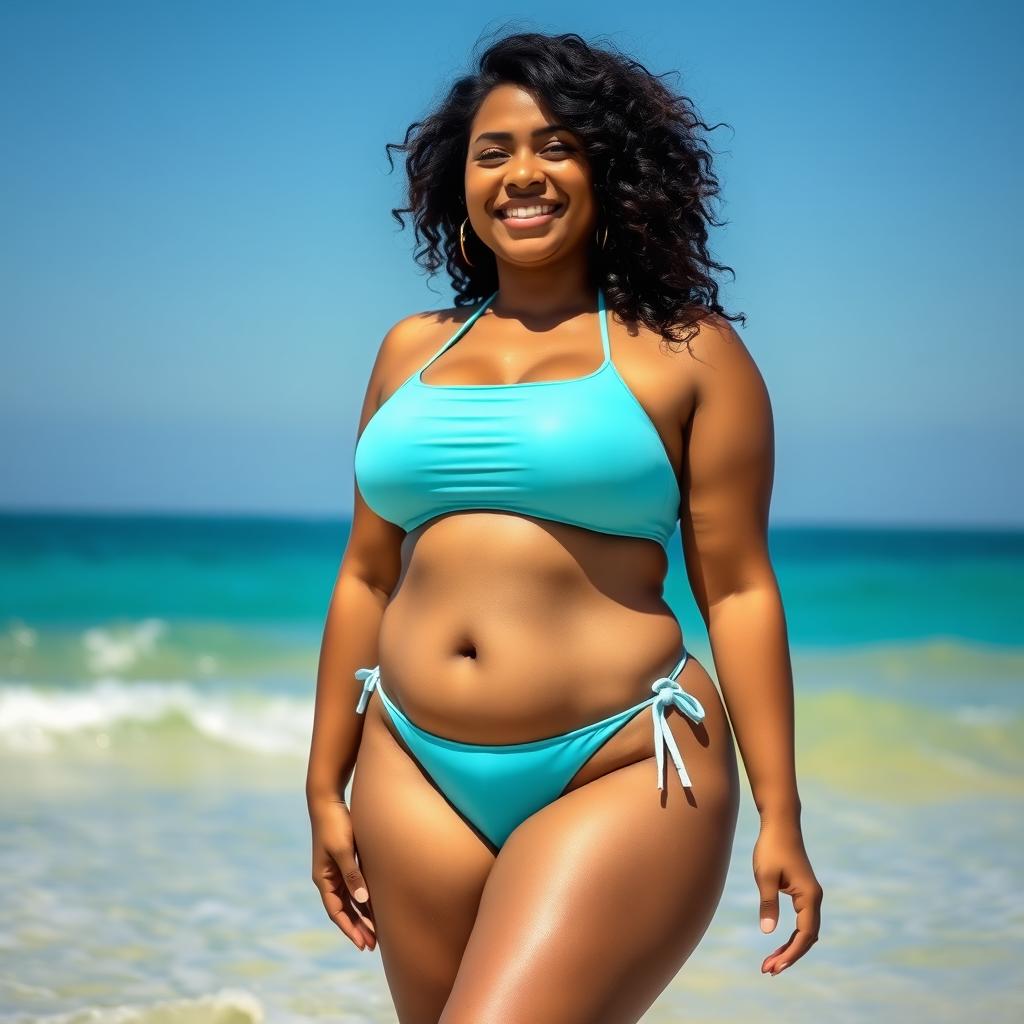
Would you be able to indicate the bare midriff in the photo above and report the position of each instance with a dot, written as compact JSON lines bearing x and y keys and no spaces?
{"x":505,"y":628}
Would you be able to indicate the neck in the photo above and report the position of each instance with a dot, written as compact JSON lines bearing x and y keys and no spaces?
{"x":546,"y":295}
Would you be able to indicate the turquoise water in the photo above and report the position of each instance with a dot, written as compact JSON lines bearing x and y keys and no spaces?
{"x":156,"y":684}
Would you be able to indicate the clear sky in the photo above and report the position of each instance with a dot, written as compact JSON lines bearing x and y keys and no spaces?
{"x":198,"y":259}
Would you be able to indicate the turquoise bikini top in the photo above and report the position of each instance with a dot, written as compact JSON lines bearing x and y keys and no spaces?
{"x":581,"y":451}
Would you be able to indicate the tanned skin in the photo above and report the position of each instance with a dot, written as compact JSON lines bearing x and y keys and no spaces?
{"x":492,"y":627}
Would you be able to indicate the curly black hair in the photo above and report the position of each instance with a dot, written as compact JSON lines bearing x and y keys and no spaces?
{"x":650,"y":166}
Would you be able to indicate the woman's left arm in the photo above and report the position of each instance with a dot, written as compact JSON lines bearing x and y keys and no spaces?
{"x":730,"y":462}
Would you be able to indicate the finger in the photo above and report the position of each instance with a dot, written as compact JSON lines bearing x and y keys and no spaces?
{"x":361,"y":916}
{"x":365,"y":910}
{"x":335,"y":907}
{"x":367,"y":915}
{"x":769,"y":905}
{"x":799,"y":943}
{"x":335,"y":884}
{"x":360,"y":936}
{"x":354,"y":886}
{"x":354,"y":881}
{"x":368,"y":935}
{"x":367,"y":924}
{"x":780,"y":955}
{"x":808,"y":919}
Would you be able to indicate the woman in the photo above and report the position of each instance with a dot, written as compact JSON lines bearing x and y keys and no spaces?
{"x":514,"y":843}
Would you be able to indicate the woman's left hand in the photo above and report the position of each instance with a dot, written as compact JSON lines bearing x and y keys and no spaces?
{"x":781,"y":865}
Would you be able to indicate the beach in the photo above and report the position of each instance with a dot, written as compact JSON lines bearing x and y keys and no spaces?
{"x":156,"y":693}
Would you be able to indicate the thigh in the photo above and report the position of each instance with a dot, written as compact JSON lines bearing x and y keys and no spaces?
{"x":424,"y":866}
{"x":596,"y":901}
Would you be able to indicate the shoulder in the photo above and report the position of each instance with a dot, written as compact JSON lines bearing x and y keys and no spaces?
{"x":721,"y":360}
{"x":714,"y":338}
{"x":710,"y":341}
{"x":702,"y":360}
{"x":406,"y":345}
{"x":418,"y":333}
{"x":733,"y":424}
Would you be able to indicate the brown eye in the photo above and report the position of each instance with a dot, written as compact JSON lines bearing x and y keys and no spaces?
{"x":490,"y":154}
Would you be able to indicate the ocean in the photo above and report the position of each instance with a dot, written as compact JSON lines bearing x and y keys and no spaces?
{"x":156,"y":692}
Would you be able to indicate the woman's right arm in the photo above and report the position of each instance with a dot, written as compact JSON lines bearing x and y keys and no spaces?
{"x":368,"y":574}
{"x":349,"y":642}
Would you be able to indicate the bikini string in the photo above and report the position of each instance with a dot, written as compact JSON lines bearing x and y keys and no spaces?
{"x":668,"y":693}
{"x":370,"y":677}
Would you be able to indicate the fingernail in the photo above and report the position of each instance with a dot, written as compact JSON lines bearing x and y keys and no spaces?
{"x":782,"y":967}
{"x":361,"y":895}
{"x":766,"y":924}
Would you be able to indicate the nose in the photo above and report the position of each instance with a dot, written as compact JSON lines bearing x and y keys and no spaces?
{"x":524,"y":170}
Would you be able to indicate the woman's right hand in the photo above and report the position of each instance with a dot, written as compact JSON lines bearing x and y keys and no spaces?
{"x":336,"y":873}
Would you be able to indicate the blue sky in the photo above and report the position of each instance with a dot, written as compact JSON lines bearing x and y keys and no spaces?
{"x":199,"y":259}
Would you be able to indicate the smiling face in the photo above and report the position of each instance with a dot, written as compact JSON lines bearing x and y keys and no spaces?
{"x":529,"y":192}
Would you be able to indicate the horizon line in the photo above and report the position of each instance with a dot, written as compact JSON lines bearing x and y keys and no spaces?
{"x":789,"y":522}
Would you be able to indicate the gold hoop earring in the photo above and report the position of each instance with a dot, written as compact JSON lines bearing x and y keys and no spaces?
{"x":462,"y":243}
{"x":603,"y":240}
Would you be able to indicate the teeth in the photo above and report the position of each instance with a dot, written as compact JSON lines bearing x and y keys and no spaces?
{"x":521,"y":212}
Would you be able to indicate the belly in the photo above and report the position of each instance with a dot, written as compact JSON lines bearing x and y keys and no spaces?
{"x":505,"y":629}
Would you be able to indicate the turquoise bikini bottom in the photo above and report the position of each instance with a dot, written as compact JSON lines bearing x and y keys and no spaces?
{"x":498,"y":786}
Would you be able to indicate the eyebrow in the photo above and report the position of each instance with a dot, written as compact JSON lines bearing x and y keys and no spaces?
{"x":537,"y":131}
